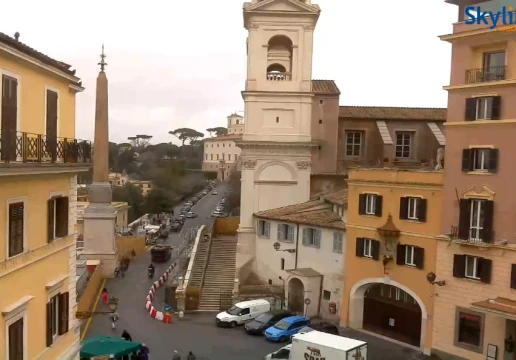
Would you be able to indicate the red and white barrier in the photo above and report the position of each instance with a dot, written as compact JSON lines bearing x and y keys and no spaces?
{"x":155,"y":314}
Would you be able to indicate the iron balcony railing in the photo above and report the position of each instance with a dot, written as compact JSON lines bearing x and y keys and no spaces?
{"x":486,"y":74}
{"x":476,"y":236}
{"x":22,"y":147}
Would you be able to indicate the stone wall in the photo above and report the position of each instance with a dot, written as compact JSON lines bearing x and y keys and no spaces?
{"x":226,"y":226}
{"x":126,"y":244}
{"x":91,"y":292}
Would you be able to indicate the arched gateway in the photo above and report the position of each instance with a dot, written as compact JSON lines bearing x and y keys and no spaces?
{"x":296,"y":294}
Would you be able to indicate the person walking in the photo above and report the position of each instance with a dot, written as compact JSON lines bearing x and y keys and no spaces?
{"x":105,"y":297}
{"x":126,"y":336}
{"x":145,"y":352}
{"x":191,"y":356}
{"x":114,"y":318}
{"x":176,"y":356}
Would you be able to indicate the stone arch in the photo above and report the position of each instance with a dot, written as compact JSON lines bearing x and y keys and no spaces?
{"x":296,"y":295}
{"x":356,"y":305}
{"x":289,"y":168}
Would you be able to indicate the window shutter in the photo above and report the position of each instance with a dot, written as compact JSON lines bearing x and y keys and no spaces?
{"x":361,"y":204}
{"x":16,"y":340}
{"x":464,"y":214}
{"x":63,"y":313}
{"x":16,"y":220}
{"x":487,"y":231}
{"x":400,"y":254}
{"x":280,"y":232}
{"x":513,"y":276}
{"x":291,"y":233}
{"x":50,"y":218}
{"x":375,"y":249}
{"x":62,"y":211}
{"x":317,"y":240}
{"x":421,"y":209}
{"x":335,"y":241}
{"x":459,"y":266}
{"x":467,"y":160}
{"x":305,"y":236}
{"x":404,"y":208}
{"x":267,"y":228}
{"x":49,"y":324}
{"x":419,"y":257}
{"x":360,"y":247}
{"x":493,"y":161}
{"x":379,"y":205}
{"x":496,"y":108}
{"x":485,"y":270}
{"x":471,"y":109}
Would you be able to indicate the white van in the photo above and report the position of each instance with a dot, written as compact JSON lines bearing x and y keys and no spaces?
{"x":242,"y":312}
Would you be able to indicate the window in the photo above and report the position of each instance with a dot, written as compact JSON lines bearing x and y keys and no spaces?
{"x":263,"y":228}
{"x":282,"y":264}
{"x":476,"y":220}
{"x":285,"y":233}
{"x":229,"y":145}
{"x":223,"y":145}
{"x":211,"y":156}
{"x":413,"y":208}
{"x":326,"y":295}
{"x":494,"y":66}
{"x":320,"y":121}
{"x":312,"y":237}
{"x":321,"y":102}
{"x":410,"y":255}
{"x":218,"y":145}
{"x":245,"y":311}
{"x":217,"y":156}
{"x":16,"y":227}
{"x":485,"y":160}
{"x":469,"y":328}
{"x":57,"y":317}
{"x":54,"y":315}
{"x":353,"y":143}
{"x":403,"y":145}
{"x":513,"y":276}
{"x":370,"y":204}
{"x":15,"y":340}
{"x":472,"y":267}
{"x":229,"y":157}
{"x":338,"y":241}
{"x":206,"y":156}
{"x":483,"y":108}
{"x":58,"y":209}
{"x":368,"y":248}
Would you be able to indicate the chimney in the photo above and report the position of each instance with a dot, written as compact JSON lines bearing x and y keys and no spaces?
{"x":17,"y":36}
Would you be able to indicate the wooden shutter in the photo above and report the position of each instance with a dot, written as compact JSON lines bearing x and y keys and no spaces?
{"x":419,"y":257}
{"x":51,"y":130}
{"x":471,"y":109}
{"x":63,"y":313}
{"x":487,"y":231}
{"x":317,"y":238}
{"x":464,"y":218}
{"x":16,"y":340}
{"x":459,"y":266}
{"x":16,"y":212}
{"x":62,"y":213}
{"x":360,"y":247}
{"x":378,"y":205}
{"x":362,"y":204}
{"x":50,"y":219}
{"x":280,"y":236}
{"x":305,"y":236}
{"x":421,"y":209}
{"x":400,"y":254}
{"x":496,"y":108}
{"x":404,"y":201}
{"x":290,"y":233}
{"x":513,"y":276}
{"x":267,"y":228}
{"x":467,"y":160}
{"x":485,"y":270}
{"x":375,"y":249}
{"x":49,"y":324}
{"x":9,"y":117}
{"x":492,"y":164}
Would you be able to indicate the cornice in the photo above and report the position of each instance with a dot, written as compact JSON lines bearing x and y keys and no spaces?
{"x":402,"y":184}
{"x":267,"y":144}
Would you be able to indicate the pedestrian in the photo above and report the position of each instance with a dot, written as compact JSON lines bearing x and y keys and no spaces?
{"x":176,"y":355}
{"x":114,"y":318}
{"x":145,"y":352}
{"x":126,"y":336}
{"x":191,"y":356}
{"x":105,"y":296}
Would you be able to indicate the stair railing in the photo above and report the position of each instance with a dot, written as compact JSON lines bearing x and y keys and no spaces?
{"x":207,"y":259}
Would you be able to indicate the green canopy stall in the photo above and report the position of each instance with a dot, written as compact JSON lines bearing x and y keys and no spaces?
{"x":104,"y":347}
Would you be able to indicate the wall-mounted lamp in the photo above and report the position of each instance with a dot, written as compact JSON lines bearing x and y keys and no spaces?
{"x":430,"y":277}
{"x":277,"y":246}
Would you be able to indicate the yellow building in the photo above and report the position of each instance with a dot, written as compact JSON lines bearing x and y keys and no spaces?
{"x":39,"y":162}
{"x":393,"y":218}
{"x":144,"y":185}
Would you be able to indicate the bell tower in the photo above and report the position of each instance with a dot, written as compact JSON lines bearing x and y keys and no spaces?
{"x":276,"y":145}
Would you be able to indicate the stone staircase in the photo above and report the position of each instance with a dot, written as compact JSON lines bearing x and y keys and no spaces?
{"x":220,"y":273}
{"x":200,"y":260}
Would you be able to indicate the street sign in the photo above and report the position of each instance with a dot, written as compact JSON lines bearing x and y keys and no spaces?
{"x":307,"y":301}
{"x":167,"y":308}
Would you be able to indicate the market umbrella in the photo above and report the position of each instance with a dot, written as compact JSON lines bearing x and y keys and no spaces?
{"x":104,"y":345}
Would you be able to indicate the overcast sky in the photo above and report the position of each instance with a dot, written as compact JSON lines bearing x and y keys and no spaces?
{"x":175,"y":64}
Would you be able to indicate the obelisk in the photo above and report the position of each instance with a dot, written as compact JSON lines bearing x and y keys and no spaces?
{"x":100,"y":216}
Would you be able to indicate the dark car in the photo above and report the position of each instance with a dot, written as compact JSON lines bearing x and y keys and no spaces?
{"x":320,"y":326}
{"x":264,"y":321}
{"x":176,"y":226}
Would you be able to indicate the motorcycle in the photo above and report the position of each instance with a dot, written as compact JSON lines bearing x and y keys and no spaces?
{"x":151,"y":271}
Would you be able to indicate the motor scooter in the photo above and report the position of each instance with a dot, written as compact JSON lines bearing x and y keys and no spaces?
{"x":151,"y":270}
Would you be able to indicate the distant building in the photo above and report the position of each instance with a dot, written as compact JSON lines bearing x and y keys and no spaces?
{"x":118,"y":179}
{"x":144,"y":185}
{"x":122,"y":209}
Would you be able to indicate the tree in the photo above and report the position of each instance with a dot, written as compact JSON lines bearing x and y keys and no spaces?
{"x":134,"y":198}
{"x":159,"y":201}
{"x":218,"y":131}
{"x":234,"y":197}
{"x":113,"y":156}
{"x":140,"y":141}
{"x":186,"y":134}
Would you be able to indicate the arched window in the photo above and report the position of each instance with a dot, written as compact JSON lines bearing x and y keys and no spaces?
{"x":279,"y":58}
{"x":390,"y":293}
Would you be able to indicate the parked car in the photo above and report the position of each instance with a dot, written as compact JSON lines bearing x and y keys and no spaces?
{"x":187,"y":208}
{"x":284,"y":329}
{"x":215,"y":192}
{"x":176,"y":226}
{"x":265,"y":321}
{"x":242,"y":312}
{"x":191,"y":215}
{"x":182,"y":217}
{"x":322,"y":327}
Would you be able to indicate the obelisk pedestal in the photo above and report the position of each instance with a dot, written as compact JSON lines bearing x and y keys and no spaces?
{"x":100,"y":215}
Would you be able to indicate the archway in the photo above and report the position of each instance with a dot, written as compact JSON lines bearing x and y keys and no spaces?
{"x":279,"y":58}
{"x":390,"y":309}
{"x":296,"y":296}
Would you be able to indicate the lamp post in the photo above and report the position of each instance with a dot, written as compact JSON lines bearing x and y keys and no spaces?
{"x":430,"y":277}
{"x":112,"y":305}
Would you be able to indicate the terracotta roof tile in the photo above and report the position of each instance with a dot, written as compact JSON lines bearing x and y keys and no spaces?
{"x":339,"y":197}
{"x":27,"y":50}
{"x":325,"y":87}
{"x":287,"y":210}
{"x":392,"y":113}
{"x":225,"y":137}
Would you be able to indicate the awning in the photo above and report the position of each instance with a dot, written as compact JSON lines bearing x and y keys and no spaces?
{"x":499,"y":306}
{"x":103,"y":345}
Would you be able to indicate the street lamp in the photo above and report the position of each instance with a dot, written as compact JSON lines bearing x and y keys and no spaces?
{"x":430,"y":277}
{"x":277,"y":246}
{"x":112,"y":305}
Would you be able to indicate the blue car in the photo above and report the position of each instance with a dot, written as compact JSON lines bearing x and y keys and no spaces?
{"x":284,"y":329}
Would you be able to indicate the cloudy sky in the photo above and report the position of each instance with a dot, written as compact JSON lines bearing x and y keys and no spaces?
{"x":182,"y":63}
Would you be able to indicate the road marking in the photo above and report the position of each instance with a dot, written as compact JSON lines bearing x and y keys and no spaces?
{"x":94,"y":309}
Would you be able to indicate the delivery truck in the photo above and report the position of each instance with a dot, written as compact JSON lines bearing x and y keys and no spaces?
{"x":316,"y":345}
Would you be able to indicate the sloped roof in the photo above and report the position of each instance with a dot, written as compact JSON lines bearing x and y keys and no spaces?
{"x":325,"y":87}
{"x":339,"y":197}
{"x":392,"y":113}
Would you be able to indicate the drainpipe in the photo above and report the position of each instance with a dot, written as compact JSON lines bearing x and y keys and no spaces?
{"x":297,"y":247}
{"x":320,"y":296}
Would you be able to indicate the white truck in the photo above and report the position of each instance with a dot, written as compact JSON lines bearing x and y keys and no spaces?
{"x":316,"y":345}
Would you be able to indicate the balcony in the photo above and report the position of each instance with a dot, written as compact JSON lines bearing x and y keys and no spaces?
{"x":27,"y":148}
{"x":279,"y":76}
{"x":476,"y":236}
{"x":487,"y":74}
